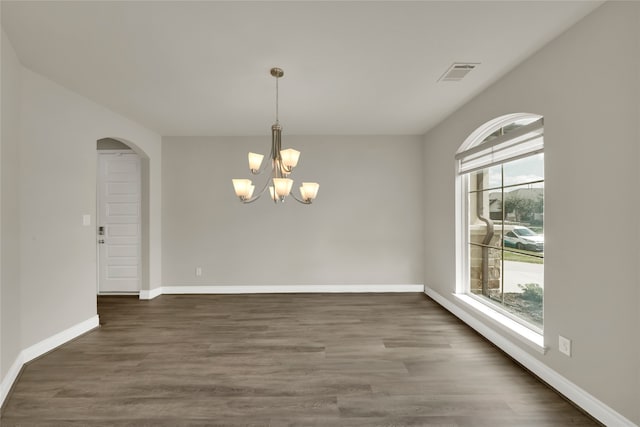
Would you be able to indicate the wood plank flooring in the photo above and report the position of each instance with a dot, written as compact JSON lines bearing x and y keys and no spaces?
{"x":281,"y":360}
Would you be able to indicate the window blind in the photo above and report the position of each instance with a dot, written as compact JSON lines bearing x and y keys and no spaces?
{"x":521,"y":142}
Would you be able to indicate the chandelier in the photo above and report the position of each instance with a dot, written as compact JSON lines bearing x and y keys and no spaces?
{"x":282,"y":164}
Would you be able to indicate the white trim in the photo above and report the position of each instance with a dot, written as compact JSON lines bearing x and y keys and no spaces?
{"x":533,"y":339}
{"x":42,"y":347}
{"x":278,"y":289}
{"x":516,"y":133}
{"x":10,"y":378}
{"x":478,"y":135}
{"x":60,"y":338}
{"x":106,"y":294}
{"x":462,"y":231}
{"x":151,"y":293}
{"x":592,"y":405}
{"x":116,"y":150}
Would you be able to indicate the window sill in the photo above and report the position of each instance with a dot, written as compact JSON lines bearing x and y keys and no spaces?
{"x":524,"y":334}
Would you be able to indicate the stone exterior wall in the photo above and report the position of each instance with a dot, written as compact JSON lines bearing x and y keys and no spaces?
{"x":477,"y":234}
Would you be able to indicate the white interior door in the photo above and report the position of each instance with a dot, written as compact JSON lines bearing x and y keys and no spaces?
{"x":119,"y":227}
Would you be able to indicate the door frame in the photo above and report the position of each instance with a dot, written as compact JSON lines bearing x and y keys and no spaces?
{"x":111,"y":151}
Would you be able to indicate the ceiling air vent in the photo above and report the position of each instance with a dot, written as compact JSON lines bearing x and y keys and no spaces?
{"x":457,"y":71}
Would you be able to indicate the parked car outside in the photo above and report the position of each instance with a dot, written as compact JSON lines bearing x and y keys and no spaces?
{"x":524,"y":238}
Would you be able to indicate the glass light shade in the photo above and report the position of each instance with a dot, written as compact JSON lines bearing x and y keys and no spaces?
{"x":290,"y":157}
{"x":273,"y":194}
{"x":282,"y":186}
{"x":250,"y":192}
{"x":255,"y":160}
{"x":309,"y":190}
{"x":242,"y":187}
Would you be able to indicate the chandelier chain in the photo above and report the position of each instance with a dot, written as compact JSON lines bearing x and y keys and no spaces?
{"x":277,"y":95}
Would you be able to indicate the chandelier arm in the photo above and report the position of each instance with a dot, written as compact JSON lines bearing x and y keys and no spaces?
{"x":251,"y":200}
{"x":292,"y":194}
{"x":272,"y":154}
{"x":259,"y":194}
{"x":276,"y":145}
{"x":263,"y":166}
{"x":276,"y":148}
{"x":281,"y":170}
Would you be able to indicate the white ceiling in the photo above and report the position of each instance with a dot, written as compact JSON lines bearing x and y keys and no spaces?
{"x":202,"y":68}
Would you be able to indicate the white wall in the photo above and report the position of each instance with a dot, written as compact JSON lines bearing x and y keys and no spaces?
{"x":586,"y":84}
{"x":364,"y":228}
{"x":59,"y":130}
{"x":9,"y":215}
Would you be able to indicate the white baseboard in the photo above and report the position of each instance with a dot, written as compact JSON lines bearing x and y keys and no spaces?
{"x":571,"y":391}
{"x":10,"y":378}
{"x":107,"y":294}
{"x":279,"y":289}
{"x":151,"y":293}
{"x":42,"y":347}
{"x":58,"y":339}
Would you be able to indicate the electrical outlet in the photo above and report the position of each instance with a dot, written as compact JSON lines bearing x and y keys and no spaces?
{"x":198,"y":271}
{"x":564,"y":345}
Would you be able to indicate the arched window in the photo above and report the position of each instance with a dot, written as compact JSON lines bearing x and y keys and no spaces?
{"x":501,"y":206}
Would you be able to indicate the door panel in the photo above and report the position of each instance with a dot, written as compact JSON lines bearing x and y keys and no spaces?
{"x":119,"y":202}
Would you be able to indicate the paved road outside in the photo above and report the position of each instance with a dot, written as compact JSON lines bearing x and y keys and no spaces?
{"x":516,"y":273}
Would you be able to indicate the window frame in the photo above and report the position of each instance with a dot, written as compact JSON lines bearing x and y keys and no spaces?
{"x":520,"y":327}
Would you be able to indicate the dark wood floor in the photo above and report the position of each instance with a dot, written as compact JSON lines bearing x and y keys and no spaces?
{"x":281,"y":360}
